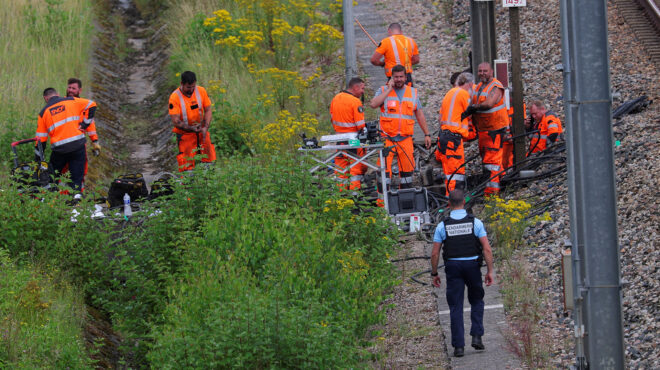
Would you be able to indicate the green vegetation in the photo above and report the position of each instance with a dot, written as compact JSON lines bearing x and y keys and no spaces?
{"x":507,"y":220}
{"x":232,"y":269}
{"x":40,"y":319}
{"x":43,"y":44}
{"x":258,"y":61}
{"x":250,"y":263}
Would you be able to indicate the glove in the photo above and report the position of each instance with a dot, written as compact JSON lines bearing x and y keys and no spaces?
{"x":468,"y":112}
{"x":96,"y":148}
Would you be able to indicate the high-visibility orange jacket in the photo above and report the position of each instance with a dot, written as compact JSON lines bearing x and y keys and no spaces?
{"x":494,"y":118}
{"x":91,"y":128}
{"x":397,"y":49}
{"x":346,"y":113}
{"x":60,"y":120}
{"x":398,"y":117}
{"x":189,"y":109}
{"x":549,"y":125}
{"x":454,"y":104}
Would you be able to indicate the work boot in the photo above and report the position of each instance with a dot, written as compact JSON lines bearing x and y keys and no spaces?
{"x":459,"y":351}
{"x":477,"y":343}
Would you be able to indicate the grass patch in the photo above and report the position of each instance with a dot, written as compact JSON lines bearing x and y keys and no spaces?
{"x":41,"y":319}
{"x":43,"y":44}
{"x":523,"y":303}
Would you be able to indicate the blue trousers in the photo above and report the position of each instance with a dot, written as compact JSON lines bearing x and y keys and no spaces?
{"x":76,"y":161}
{"x":460,"y":274}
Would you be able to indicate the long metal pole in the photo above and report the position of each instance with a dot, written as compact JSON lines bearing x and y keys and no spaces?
{"x":591,"y":184}
{"x":350,"y":53}
{"x":516,"y":80}
{"x":482,"y":26}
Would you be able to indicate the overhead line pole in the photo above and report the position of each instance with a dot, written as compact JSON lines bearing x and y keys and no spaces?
{"x":591,"y":185}
{"x":350,"y":53}
{"x":482,"y":26}
{"x":516,"y":81}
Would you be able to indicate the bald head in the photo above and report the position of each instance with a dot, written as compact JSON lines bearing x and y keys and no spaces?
{"x":485,"y":72}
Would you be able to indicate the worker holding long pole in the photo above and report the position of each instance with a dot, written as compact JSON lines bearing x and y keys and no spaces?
{"x":396,"y":49}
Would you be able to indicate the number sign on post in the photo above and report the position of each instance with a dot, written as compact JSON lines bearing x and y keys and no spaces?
{"x":513,"y":3}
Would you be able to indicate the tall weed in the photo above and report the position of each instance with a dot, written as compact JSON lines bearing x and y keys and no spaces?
{"x":43,"y":44}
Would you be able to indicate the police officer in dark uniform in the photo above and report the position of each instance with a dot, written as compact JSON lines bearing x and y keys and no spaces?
{"x":464,"y":239}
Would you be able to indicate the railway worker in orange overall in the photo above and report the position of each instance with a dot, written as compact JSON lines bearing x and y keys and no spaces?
{"x":399,"y":107}
{"x":347,"y":115}
{"x":191,"y":113}
{"x":396,"y":49}
{"x":490,"y":117}
{"x":548,"y":126}
{"x":73,"y":90}
{"x":64,"y":120}
{"x":453,"y":130}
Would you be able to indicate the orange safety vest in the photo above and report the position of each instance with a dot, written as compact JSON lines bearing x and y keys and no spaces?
{"x":397,"y":49}
{"x":454,"y":104}
{"x":398,"y":117}
{"x":192,"y":111}
{"x":496,"y":117}
{"x":549,"y":125}
{"x":60,"y":120}
{"x":346,"y":113}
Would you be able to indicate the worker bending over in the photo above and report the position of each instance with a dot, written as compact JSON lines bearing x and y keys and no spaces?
{"x":347,"y":115}
{"x":548,"y":126}
{"x":453,"y":130}
{"x":65,"y":120}
{"x":490,"y":117}
{"x":396,"y":49}
{"x":399,"y":106}
{"x":190,"y":110}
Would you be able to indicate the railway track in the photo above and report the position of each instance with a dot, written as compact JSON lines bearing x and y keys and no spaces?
{"x":643,"y":16}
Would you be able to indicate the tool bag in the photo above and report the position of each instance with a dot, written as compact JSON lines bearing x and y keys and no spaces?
{"x":33,"y":174}
{"x":131,"y":184}
{"x":162,"y":186}
{"x":37,"y":173}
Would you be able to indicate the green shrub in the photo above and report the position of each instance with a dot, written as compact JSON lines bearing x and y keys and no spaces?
{"x":282,"y":274}
{"x":41,"y":319}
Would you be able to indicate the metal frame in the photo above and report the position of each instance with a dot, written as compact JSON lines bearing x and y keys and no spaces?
{"x":371,"y":151}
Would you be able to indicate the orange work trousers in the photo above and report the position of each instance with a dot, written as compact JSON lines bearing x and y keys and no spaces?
{"x":357,"y":172}
{"x":404,"y":152}
{"x":190,"y":145}
{"x":490,"y":148}
{"x":452,"y":156}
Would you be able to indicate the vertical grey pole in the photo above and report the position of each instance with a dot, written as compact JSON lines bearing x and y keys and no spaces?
{"x":516,"y":81}
{"x":350,"y":54}
{"x":591,"y":178}
{"x":482,"y":25}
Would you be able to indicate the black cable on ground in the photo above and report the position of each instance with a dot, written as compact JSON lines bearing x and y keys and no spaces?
{"x":410,"y":258}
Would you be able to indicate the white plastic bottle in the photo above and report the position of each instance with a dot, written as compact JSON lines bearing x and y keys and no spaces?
{"x":128,"y":212}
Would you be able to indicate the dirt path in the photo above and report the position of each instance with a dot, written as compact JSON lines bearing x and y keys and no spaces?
{"x":129,"y":83}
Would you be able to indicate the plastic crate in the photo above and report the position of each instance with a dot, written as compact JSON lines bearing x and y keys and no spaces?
{"x":407,"y":201}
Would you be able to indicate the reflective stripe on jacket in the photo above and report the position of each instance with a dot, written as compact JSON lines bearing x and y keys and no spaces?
{"x":549,"y":125}
{"x":398,"y":117}
{"x":397,"y":49}
{"x":346,"y":113}
{"x":494,"y":118}
{"x":454,"y":104}
{"x":60,"y":120}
